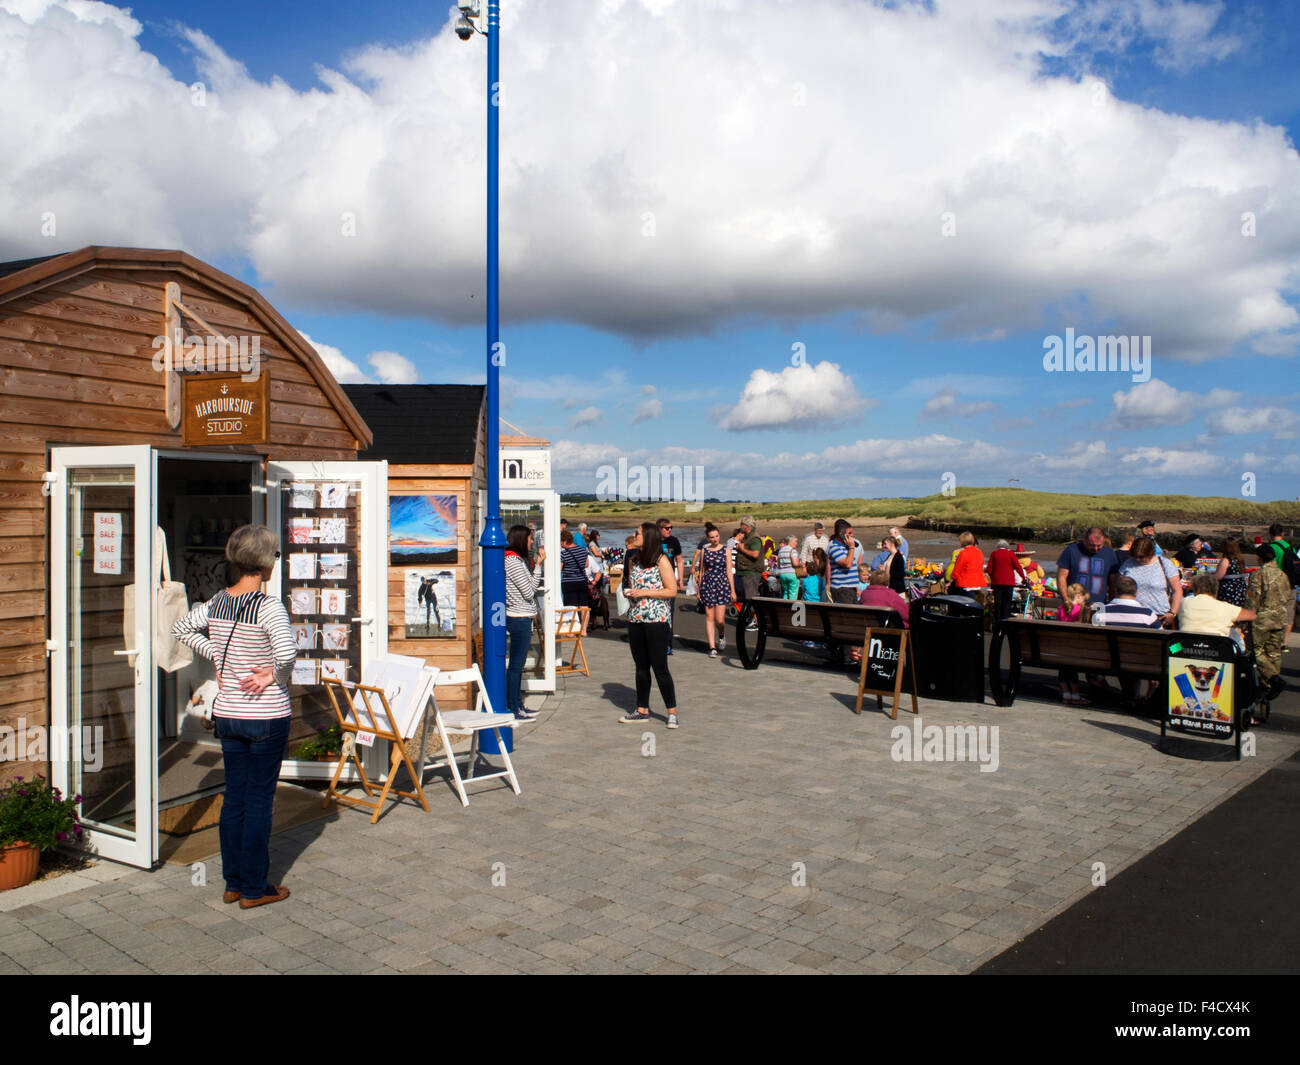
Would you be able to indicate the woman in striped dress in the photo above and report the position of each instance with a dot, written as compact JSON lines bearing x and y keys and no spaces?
{"x":245,"y":634}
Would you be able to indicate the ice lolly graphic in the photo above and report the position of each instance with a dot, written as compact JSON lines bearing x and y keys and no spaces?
{"x":1218,"y":683}
{"x":1185,"y":686}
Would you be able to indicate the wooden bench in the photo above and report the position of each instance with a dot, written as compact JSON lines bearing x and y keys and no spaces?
{"x":1130,"y":654}
{"x":837,"y":625}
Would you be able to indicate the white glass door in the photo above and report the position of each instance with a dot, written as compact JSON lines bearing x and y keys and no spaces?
{"x":103,"y":735}
{"x":541,"y":506}
{"x":332,"y":577}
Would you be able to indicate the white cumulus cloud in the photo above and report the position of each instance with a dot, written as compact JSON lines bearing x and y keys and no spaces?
{"x":795,"y":398}
{"x":770,"y":149}
{"x":1156,"y":403}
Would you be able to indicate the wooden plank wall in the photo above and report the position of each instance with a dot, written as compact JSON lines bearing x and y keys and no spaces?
{"x":76,"y":367}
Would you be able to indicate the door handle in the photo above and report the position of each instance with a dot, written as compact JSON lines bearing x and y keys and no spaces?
{"x":132,"y":651}
{"x":364,"y":621}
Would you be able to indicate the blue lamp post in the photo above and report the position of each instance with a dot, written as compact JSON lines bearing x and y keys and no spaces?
{"x":493,"y":540}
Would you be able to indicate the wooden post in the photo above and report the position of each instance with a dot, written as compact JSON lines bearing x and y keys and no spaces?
{"x":172,"y":349}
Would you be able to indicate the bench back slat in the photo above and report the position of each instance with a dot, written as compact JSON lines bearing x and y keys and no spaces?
{"x":1098,"y":648}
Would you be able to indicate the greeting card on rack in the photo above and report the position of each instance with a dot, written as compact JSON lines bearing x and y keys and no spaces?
{"x":334,"y":635}
{"x":333,"y":669}
{"x":302,"y":496}
{"x":304,"y":635}
{"x":300,"y":530}
{"x":334,"y":496}
{"x":333,"y":601}
{"x":302,"y":600}
{"x":304,"y":672}
{"x":333,"y":567}
{"x":333,"y":530}
{"x":302,"y":567}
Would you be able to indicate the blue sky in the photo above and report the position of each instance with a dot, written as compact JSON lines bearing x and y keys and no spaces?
{"x":816,"y":260}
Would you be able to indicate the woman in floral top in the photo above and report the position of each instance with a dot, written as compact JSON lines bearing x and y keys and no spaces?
{"x":650,"y":586}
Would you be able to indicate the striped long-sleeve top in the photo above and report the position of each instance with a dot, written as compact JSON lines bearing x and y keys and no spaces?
{"x":521,"y":589}
{"x":239,"y":634}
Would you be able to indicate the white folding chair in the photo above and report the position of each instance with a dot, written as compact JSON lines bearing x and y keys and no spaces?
{"x":470,"y":723}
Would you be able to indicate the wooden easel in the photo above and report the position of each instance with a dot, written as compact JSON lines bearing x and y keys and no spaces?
{"x":904,"y":662}
{"x":351,"y":730}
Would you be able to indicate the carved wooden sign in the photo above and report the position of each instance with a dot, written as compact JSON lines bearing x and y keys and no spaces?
{"x":225,"y":409}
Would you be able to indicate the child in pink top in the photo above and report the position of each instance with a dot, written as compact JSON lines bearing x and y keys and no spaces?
{"x":1076,"y":598}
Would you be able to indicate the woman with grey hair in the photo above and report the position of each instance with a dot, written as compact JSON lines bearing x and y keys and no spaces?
{"x":245,"y":634}
{"x":1003,"y":568}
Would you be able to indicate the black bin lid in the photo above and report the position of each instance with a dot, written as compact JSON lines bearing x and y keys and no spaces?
{"x":952,"y":606}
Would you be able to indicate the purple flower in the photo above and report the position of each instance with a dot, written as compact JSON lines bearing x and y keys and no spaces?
{"x":63,"y":837}
{"x":76,"y":829}
{"x":77,"y":799}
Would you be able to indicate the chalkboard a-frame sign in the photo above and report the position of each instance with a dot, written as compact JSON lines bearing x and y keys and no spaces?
{"x":884,"y":660}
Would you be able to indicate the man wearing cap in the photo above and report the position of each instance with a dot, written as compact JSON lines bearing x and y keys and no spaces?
{"x":1148,"y":528}
{"x":749,"y":558}
{"x":815,"y":539}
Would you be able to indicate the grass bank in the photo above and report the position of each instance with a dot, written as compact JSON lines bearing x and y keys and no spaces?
{"x":1022,"y":507}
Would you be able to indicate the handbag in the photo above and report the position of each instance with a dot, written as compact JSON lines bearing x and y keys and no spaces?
{"x":169,"y":606}
{"x":620,"y":599}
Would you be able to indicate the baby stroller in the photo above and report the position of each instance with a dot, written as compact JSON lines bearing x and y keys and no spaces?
{"x":1256,"y":698}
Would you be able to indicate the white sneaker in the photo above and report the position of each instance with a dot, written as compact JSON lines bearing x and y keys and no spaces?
{"x":722,"y":643}
{"x":672,"y":720}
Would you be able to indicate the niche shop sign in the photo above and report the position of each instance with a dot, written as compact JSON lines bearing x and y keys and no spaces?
{"x":224,"y":409}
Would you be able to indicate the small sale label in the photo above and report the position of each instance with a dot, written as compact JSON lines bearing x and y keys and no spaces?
{"x":108,"y":543}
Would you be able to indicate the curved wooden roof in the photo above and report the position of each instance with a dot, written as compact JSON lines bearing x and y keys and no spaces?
{"x":29,"y":275}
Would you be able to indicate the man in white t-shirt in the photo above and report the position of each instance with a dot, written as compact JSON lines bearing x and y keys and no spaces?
{"x":1202,"y":611}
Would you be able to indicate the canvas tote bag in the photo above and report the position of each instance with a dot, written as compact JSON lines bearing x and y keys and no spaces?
{"x":169,"y":606}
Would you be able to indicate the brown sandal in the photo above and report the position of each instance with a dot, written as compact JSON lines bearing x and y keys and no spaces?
{"x":230,"y":896}
{"x":276,"y":894}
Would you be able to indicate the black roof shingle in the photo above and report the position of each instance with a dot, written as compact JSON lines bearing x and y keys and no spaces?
{"x":420,"y":425}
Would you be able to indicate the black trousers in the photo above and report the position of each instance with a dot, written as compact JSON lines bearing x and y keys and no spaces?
{"x":1002,"y":601}
{"x":649,"y":644}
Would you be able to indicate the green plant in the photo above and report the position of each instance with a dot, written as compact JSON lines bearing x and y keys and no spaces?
{"x":328,"y":740}
{"x":31,"y":811}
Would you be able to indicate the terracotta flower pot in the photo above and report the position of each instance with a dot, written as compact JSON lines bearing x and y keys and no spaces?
{"x":18,"y":864}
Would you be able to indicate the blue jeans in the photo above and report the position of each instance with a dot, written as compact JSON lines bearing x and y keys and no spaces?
{"x":519,"y":631}
{"x":251,"y":750}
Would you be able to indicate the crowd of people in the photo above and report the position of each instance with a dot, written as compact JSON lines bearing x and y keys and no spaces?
{"x":1134,"y":584}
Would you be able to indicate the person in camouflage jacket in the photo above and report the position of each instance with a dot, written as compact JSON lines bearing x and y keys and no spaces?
{"x":1268,"y":593}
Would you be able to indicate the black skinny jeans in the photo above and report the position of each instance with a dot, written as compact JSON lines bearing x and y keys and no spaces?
{"x":649,"y":642}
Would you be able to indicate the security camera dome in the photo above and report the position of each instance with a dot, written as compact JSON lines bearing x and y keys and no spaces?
{"x":464,"y":28}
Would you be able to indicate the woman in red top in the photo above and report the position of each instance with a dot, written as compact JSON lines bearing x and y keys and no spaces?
{"x":1003,"y":568}
{"x":968,"y":567}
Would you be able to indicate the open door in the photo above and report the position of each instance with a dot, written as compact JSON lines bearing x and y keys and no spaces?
{"x":333,"y":580}
{"x":102,"y":737}
{"x":541,"y":507}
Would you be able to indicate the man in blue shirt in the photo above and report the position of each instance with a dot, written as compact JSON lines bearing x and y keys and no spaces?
{"x":1090,"y":563}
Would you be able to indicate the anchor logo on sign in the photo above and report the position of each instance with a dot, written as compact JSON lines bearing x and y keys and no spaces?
{"x":225,"y":389}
